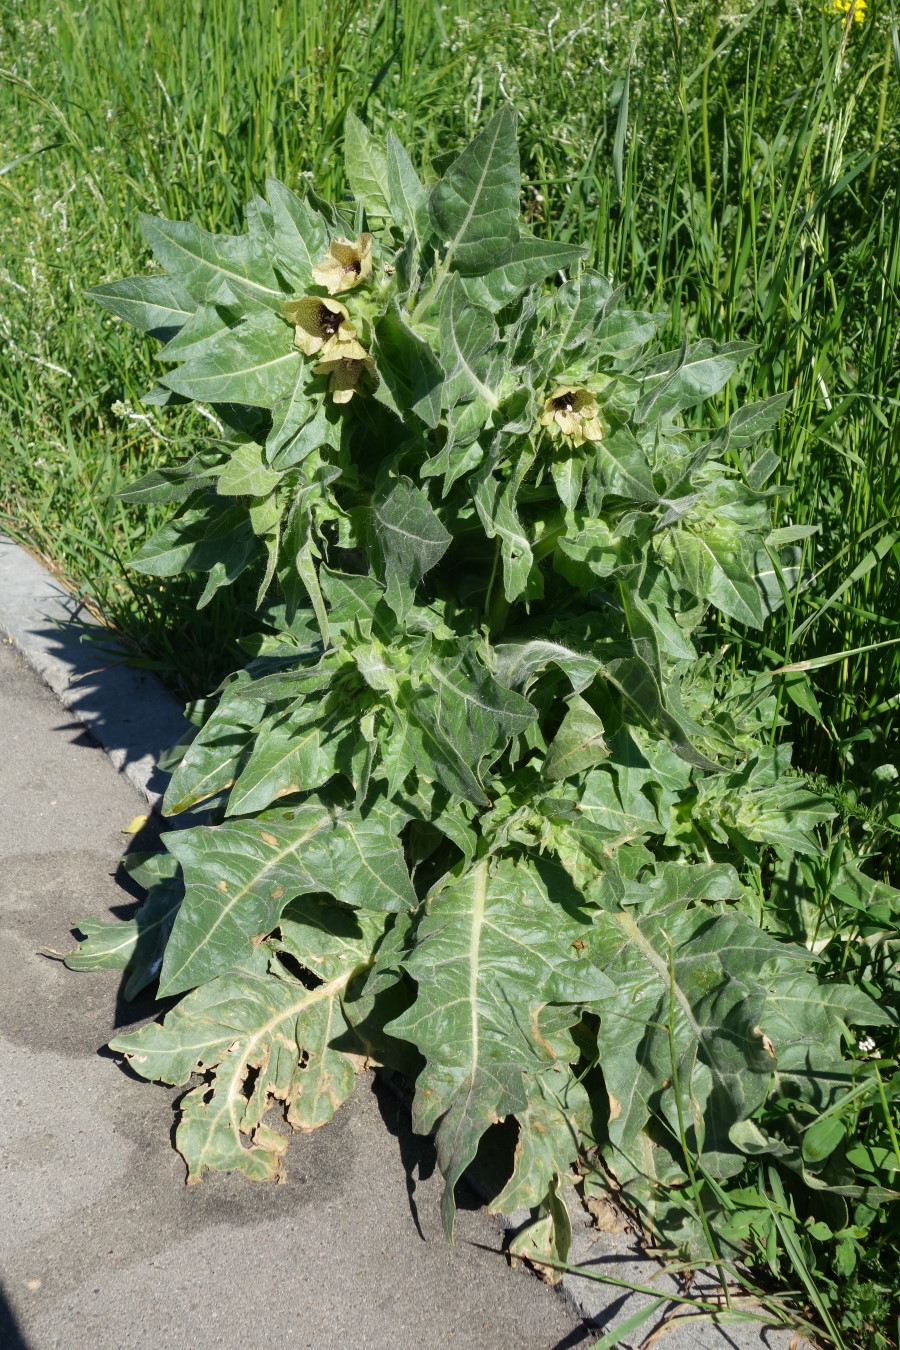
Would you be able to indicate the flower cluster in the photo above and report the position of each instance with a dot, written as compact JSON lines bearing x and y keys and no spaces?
{"x":852,"y":11}
{"x":324,"y":326}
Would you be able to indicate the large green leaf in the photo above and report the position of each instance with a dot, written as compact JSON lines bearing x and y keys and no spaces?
{"x":204,"y":264}
{"x":240,"y":875}
{"x":576,"y":309}
{"x":156,"y":305}
{"x":410,"y":368}
{"x":255,"y":363}
{"x":517,"y":663}
{"x":134,"y":945}
{"x":473,"y":364}
{"x":494,"y":503}
{"x":678,"y":380}
{"x":328,"y":938}
{"x":293,"y":752}
{"x":299,"y":237}
{"x":407,"y":196}
{"x":475,"y":207}
{"x":246,"y":474}
{"x":198,"y":541}
{"x":528,"y":261}
{"x":716,"y":567}
{"x":620,"y":468}
{"x":495,"y":948}
{"x":262,"y":1040}
{"x":207,"y":323}
{"x":367,"y":170}
{"x":463,"y":715}
{"x":579,"y":743}
{"x":688,"y":1002}
{"x":211,"y":762}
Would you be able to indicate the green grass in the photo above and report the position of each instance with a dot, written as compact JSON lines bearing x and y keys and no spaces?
{"x":734,"y":164}
{"x":736,"y":168}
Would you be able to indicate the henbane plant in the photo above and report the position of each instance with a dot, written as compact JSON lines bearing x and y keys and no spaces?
{"x":478,"y":808}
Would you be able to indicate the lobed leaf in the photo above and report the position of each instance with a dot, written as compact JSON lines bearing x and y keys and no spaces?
{"x":255,"y":363}
{"x":495,"y":948}
{"x":261,"y":1040}
{"x":240,"y":875}
{"x":205,"y":264}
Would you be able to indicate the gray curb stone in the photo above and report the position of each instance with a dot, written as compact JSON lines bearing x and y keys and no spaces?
{"x":134,"y":719}
{"x":127,"y":711}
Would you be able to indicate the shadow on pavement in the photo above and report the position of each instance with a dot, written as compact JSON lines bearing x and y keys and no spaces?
{"x":10,"y":1336}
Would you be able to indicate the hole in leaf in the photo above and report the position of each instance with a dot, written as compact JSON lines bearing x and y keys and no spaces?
{"x":249,"y":1083}
{"x":494,"y":1161}
{"x":298,"y":971}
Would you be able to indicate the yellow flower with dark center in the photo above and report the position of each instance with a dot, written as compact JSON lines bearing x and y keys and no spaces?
{"x":346,"y":362}
{"x":574,"y":411}
{"x":317,"y":322}
{"x":345,"y":264}
{"x":846,"y":8}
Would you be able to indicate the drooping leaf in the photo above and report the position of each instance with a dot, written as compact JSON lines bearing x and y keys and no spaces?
{"x":518,"y":662}
{"x":262,"y":1040}
{"x":494,"y":503}
{"x":173,"y":485}
{"x":494,"y":950}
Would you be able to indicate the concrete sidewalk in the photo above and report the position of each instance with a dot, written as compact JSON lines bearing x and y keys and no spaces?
{"x":102,"y":1246}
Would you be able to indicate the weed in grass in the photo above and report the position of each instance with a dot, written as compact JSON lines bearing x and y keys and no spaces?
{"x":737,"y":164}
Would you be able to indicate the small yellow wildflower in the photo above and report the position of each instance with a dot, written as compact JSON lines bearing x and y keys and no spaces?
{"x":317,"y":322}
{"x":345,"y":264}
{"x":574,"y":411}
{"x":846,"y":8}
{"x":345,"y":362}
